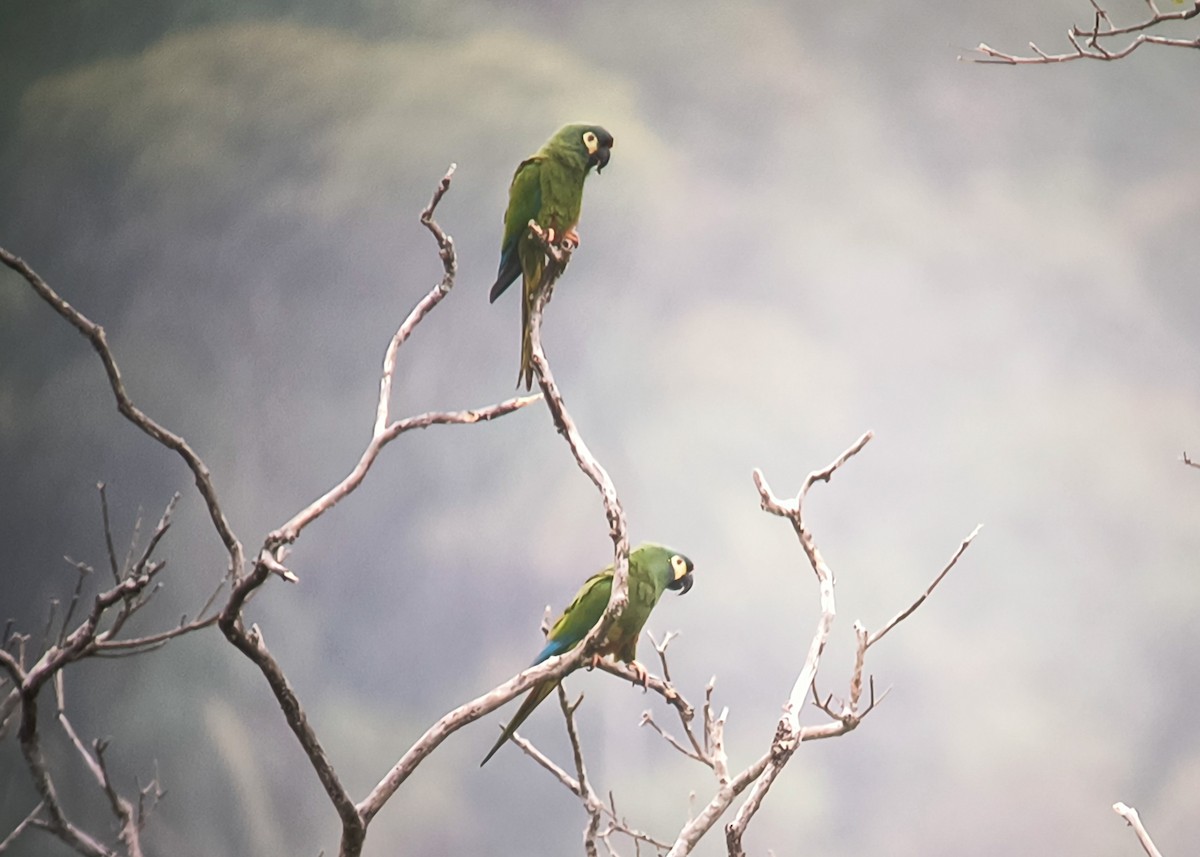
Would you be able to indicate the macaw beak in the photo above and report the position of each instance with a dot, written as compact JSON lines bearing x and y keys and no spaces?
{"x":599,"y":158}
{"x":682,"y":585}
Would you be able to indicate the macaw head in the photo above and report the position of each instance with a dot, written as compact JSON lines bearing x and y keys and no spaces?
{"x":681,"y":568}
{"x":591,"y":141}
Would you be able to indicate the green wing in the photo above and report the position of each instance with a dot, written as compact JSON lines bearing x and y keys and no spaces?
{"x":580,"y":616}
{"x":524,"y":204}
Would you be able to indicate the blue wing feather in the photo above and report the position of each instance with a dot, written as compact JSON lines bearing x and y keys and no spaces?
{"x":552,"y":648}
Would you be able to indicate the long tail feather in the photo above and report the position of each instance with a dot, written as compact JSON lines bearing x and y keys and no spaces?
{"x":525,"y":375}
{"x":532,"y":701}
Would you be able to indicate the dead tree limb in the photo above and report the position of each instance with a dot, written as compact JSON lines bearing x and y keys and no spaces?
{"x":1135,"y":821}
{"x":1103,"y":40}
{"x":557,"y":257}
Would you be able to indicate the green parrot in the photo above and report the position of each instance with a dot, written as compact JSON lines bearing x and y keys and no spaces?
{"x":652,"y":569}
{"x":547,"y":188}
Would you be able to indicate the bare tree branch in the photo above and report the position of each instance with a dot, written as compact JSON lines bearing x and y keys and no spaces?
{"x":592,"y":804}
{"x":128,"y":819}
{"x":252,"y":645}
{"x":130,"y":646}
{"x":1189,"y":461}
{"x":19,"y":829}
{"x":108,"y":538}
{"x":96,"y":336}
{"x":557,"y":257}
{"x":696,"y":828}
{"x":384,"y":431}
{"x":129,"y":593}
{"x":528,"y":747}
{"x":89,"y":761}
{"x":760,"y":776}
{"x":56,"y":821}
{"x":452,"y":721}
{"x":654,"y":684}
{"x":1097,"y":42}
{"x":1135,"y":821}
{"x":289,"y":532}
{"x":683,"y":708}
{"x":596,"y":809}
{"x":908,"y":611}
{"x":84,"y":572}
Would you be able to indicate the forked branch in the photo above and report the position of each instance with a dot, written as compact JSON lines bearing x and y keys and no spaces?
{"x":789,"y":733}
{"x":1103,"y":40}
{"x":384,"y":430}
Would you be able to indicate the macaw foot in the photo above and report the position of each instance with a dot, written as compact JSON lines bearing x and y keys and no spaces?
{"x":571,"y":237}
{"x":550,"y":233}
{"x":642,"y":674}
{"x":596,"y":658}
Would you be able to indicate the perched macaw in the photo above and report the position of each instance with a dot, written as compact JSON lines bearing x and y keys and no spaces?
{"x":547,"y":188}
{"x":652,"y":569}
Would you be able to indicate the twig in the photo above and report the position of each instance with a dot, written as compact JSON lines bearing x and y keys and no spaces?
{"x":675,"y":699}
{"x":1135,"y":821}
{"x":108,"y":537}
{"x":571,"y":784}
{"x":128,"y":820}
{"x":16,"y":831}
{"x":592,"y":805}
{"x":130,"y":829}
{"x":1189,"y":461}
{"x":61,"y":714}
{"x":904,"y":614}
{"x":56,"y":821}
{"x":595,"y":807}
{"x":137,"y":645}
{"x":133,"y":540}
{"x":433,"y":298}
{"x":653,"y":684}
{"x":1090,"y":44}
{"x":691,"y":753}
{"x":160,"y":530}
{"x":84,"y":572}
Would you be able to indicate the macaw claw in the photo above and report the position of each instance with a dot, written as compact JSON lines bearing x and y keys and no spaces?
{"x":642,"y":674}
{"x":572,"y":238}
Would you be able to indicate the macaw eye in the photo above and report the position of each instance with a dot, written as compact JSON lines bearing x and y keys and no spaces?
{"x":590,"y":141}
{"x":679,"y":564}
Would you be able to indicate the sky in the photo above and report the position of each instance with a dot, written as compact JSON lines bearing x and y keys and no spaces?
{"x":818,"y":220}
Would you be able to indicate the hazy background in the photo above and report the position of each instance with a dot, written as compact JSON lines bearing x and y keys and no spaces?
{"x":816,"y":222}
